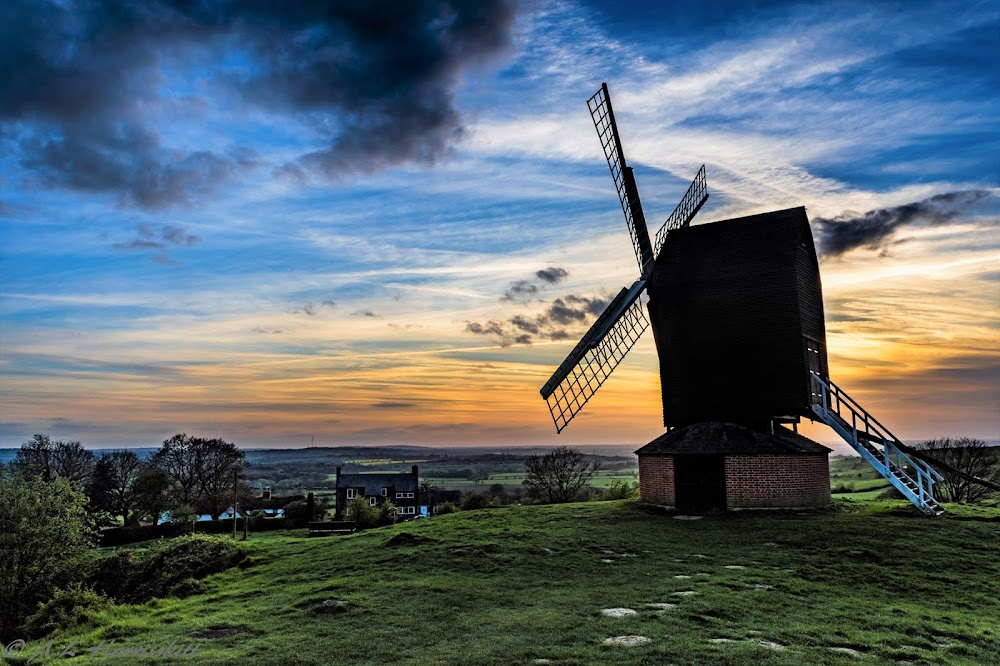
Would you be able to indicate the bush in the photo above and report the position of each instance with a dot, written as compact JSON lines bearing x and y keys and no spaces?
{"x":445,"y":508}
{"x":168,"y":569}
{"x":387,"y":513}
{"x":473,"y":501}
{"x":362,"y":513}
{"x":298,"y":512}
{"x":65,"y":609}
{"x":619,"y":490}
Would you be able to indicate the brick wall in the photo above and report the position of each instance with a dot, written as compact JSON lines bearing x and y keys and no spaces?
{"x":656,"y":480}
{"x":775,"y":481}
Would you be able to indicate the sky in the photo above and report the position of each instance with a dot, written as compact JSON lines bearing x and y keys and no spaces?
{"x":387,"y":223}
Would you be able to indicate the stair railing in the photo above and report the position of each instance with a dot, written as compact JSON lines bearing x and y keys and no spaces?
{"x":873,"y":441}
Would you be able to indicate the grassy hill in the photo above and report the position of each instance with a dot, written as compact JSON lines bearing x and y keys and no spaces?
{"x":858,"y":584}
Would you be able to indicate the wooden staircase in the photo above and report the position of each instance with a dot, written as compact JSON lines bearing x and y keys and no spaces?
{"x":913,"y":478}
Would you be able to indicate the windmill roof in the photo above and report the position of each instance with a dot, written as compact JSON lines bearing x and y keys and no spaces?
{"x":715,"y":437}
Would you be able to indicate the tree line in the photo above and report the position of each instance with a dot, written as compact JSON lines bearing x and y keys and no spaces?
{"x":187,"y":475}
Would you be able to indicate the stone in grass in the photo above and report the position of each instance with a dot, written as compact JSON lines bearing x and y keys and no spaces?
{"x":684,"y":593}
{"x":850,"y":652}
{"x":617,"y":612}
{"x":626,"y":641}
{"x":681,"y":576}
{"x":770,"y":645}
{"x":659,"y":607}
{"x":608,"y":561}
{"x":734,"y":566}
{"x":329,"y":607}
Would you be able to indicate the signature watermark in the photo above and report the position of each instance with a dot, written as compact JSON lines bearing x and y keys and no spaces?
{"x":50,"y":650}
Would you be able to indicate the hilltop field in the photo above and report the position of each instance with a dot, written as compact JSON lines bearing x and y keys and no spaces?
{"x":860,"y":583}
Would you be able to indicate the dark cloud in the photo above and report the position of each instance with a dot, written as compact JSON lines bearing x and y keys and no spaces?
{"x":876,"y":228}
{"x":310,"y":309}
{"x":375,"y":80}
{"x":149,"y":237}
{"x":573,"y":311}
{"x":525,"y":290}
{"x":365,"y":313}
{"x":552,"y":274}
{"x":521,"y":290}
{"x":393,"y":405}
{"x":260,"y":330}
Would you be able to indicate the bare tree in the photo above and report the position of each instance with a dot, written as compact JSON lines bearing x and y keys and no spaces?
{"x":559,"y":475}
{"x":972,"y":457}
{"x":221,"y":465}
{"x":204,"y":472}
{"x":41,"y":457}
{"x":181,"y":458}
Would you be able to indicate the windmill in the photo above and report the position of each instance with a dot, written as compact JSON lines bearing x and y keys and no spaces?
{"x":736,"y":309}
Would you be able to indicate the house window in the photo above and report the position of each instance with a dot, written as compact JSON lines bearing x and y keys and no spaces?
{"x":405,"y":510}
{"x":385,"y":491}
{"x":404,"y":495}
{"x":352,"y":493}
{"x":373,"y":501}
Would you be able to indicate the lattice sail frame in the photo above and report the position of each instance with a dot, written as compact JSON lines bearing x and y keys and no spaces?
{"x":690,"y":204}
{"x":596,"y":356}
{"x":603,"y":116}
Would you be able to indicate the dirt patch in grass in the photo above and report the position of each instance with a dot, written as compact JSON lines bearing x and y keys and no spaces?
{"x":406,"y":539}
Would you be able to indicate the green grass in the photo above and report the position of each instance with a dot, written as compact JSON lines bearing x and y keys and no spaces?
{"x":508,"y":586}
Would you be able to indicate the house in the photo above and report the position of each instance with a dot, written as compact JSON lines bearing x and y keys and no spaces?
{"x":402,"y":489}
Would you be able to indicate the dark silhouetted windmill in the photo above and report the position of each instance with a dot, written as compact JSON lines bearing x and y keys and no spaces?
{"x":737,"y":317}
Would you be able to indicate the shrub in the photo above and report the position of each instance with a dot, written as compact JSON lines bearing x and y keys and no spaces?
{"x":298,"y":512}
{"x":473,"y":501}
{"x":65,"y":609}
{"x":362,"y":513}
{"x":44,"y":537}
{"x":619,"y":490}
{"x":184,"y":516}
{"x":168,"y":569}
{"x":444,"y":508}
{"x":386,"y":513}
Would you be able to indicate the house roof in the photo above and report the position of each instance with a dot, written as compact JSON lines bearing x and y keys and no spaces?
{"x":374,"y":483}
{"x":714,"y":437}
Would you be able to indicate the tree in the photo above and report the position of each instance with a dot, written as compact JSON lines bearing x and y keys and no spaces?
{"x":112,"y":485}
{"x":44,"y":536}
{"x":964,"y":454}
{"x":222,"y":463}
{"x":152,"y":491}
{"x":180,"y":457}
{"x":46,"y":459}
{"x":204,"y":472}
{"x":558,"y":475}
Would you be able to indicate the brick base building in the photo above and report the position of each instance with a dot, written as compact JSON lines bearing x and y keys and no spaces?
{"x":718,"y":466}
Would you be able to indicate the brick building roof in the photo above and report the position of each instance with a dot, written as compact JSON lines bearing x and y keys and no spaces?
{"x":713,"y":437}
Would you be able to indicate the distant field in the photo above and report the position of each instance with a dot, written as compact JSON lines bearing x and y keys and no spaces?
{"x":602,"y":479}
{"x":861,"y":583}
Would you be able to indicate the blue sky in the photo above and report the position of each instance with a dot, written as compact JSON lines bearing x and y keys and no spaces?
{"x":196,"y":240}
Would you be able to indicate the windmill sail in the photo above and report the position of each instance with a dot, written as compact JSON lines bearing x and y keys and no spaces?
{"x":596,"y":356}
{"x":607,"y":130}
{"x":690,"y":204}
